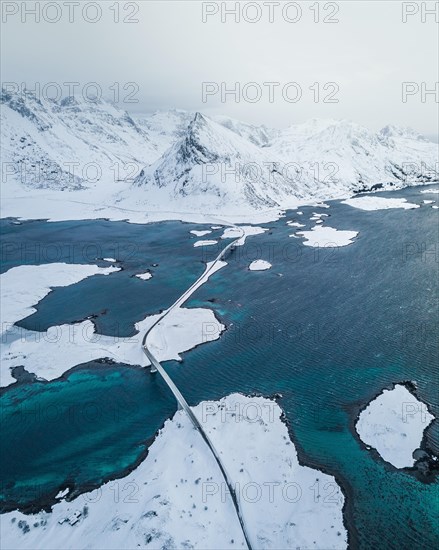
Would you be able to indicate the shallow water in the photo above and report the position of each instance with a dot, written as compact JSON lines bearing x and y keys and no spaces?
{"x":327,"y":329}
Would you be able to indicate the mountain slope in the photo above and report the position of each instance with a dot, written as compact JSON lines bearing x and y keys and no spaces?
{"x":71,"y":143}
{"x":345,"y":157}
{"x":213,"y":165}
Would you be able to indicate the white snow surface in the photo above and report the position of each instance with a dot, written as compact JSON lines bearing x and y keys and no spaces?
{"x":176,"y":497}
{"x":259,"y":265}
{"x":327,"y":237}
{"x":393,"y":423}
{"x":144,"y":276}
{"x":24,"y":286}
{"x":379,"y":203}
{"x":200,"y":233}
{"x":205,"y":243}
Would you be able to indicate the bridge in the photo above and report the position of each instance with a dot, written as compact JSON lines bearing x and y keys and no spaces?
{"x":181,"y":401}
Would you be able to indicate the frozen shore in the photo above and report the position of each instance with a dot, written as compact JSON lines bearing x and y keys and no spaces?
{"x":53,"y":205}
{"x":176,"y":497}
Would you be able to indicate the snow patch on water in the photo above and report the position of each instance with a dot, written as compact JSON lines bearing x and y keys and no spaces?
{"x":393,"y":423}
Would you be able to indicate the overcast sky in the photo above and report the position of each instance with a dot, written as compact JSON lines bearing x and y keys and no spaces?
{"x":170,"y":52}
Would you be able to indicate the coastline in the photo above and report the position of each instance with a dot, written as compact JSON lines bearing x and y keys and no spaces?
{"x":40,"y":205}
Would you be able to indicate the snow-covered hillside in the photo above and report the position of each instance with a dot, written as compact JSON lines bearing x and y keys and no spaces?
{"x":345,"y":157}
{"x":69,"y":144}
{"x":98,"y":155}
{"x":215,"y":167}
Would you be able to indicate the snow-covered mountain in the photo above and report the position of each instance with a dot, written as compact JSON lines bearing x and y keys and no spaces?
{"x":70,"y":143}
{"x":225,"y":162}
{"x":187,"y":161}
{"x":345,"y":157}
{"x":216,"y":167}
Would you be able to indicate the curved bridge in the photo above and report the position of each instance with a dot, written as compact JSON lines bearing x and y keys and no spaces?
{"x":182,"y":403}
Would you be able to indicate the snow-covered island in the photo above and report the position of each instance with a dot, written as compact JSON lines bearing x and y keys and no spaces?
{"x":205,"y":243}
{"x":177,"y":497}
{"x":327,"y":237}
{"x":379,"y":203}
{"x":393,"y":424}
{"x":200,"y":233}
{"x":259,"y":265}
{"x":144,"y":276}
{"x":248,"y":231}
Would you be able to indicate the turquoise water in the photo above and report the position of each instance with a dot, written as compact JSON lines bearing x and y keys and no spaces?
{"x":327,"y":330}
{"x":60,"y":433}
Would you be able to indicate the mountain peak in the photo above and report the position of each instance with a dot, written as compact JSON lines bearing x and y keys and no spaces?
{"x":199,"y":121}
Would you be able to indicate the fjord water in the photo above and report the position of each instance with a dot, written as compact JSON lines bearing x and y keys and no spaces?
{"x":326,"y":329}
